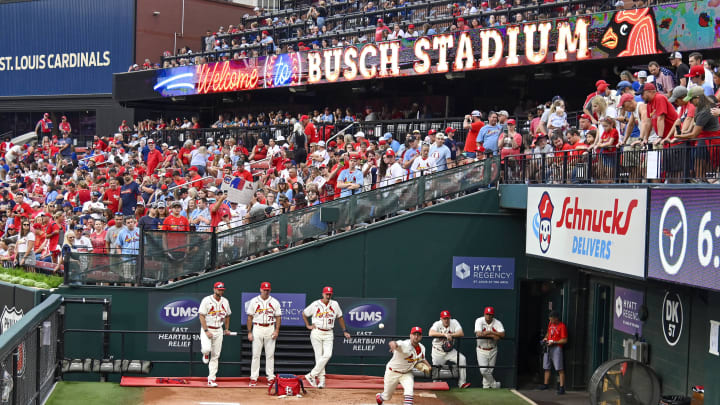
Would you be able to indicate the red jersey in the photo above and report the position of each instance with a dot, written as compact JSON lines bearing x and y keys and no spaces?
{"x":260,"y":153}
{"x":556,"y":331}
{"x":311,"y":133}
{"x":471,"y":140}
{"x":173,"y":223}
{"x":113,"y":198}
{"x":153,"y":159}
{"x":65,"y":126}
{"x":216,"y":216}
{"x":51,"y":227}
{"x":659,"y":106}
{"x":608,"y":135}
{"x":184,"y":155}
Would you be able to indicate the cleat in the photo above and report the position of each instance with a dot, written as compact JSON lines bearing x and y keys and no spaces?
{"x":321,"y":384}
{"x":253,"y":383}
{"x":561,"y":391}
{"x":466,"y":385}
{"x":378,"y":398}
{"x":206,"y":358}
{"x":311,"y":380}
{"x":212,"y":383}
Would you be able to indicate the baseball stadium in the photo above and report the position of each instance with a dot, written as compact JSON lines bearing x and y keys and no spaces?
{"x":436,"y":202}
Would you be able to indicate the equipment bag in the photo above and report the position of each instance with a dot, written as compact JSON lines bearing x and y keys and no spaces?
{"x":287,"y":384}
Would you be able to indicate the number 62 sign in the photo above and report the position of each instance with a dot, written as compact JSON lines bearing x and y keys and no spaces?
{"x":672,"y":318}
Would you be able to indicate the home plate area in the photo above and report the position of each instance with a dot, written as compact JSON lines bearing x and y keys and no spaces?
{"x":340,"y":389}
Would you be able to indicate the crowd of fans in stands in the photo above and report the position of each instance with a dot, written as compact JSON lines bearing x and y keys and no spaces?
{"x":52,"y":198}
{"x":314,"y":27}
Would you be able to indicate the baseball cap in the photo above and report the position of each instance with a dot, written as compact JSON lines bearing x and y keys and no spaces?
{"x":328,"y":290}
{"x":649,"y":87}
{"x":361,"y":134}
{"x":602,"y":87}
{"x":642,"y":73}
{"x":511,"y":121}
{"x":96,"y":194}
{"x":390,"y":152}
{"x":696,"y":91}
{"x":161,"y":204}
{"x":675,"y":55}
{"x":387,"y":136}
{"x":696,"y":71}
{"x":475,"y":113}
{"x":587,"y":117}
{"x":219,"y":285}
{"x":176,"y":204}
{"x":445,"y":314}
{"x":304,"y":117}
{"x":503,"y":112}
{"x":678,"y":92}
{"x":265,"y":286}
{"x":622,"y":86}
{"x":627,"y":97}
{"x":450,"y":129}
{"x":417,"y":131}
{"x":440,"y":136}
{"x":321,"y":143}
{"x":489,"y":311}
{"x":37,"y":226}
{"x":193,"y":169}
{"x":416,"y":329}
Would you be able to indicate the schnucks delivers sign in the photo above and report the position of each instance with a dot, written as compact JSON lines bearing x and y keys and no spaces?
{"x":612,"y":34}
{"x":684,"y":237}
{"x":592,"y":227}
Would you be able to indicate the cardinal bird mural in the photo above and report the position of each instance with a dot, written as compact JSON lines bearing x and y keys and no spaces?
{"x":631,"y":32}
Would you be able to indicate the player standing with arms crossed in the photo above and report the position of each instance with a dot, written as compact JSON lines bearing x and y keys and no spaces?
{"x":445,"y":330}
{"x":263,"y":323}
{"x":323,"y":312}
{"x":488,"y":327}
{"x":406,"y":355}
{"x":214,"y":313}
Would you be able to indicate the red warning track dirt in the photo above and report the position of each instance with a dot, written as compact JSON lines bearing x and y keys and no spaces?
{"x":259,"y":395}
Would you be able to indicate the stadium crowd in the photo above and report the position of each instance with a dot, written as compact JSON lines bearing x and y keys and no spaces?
{"x":54,"y":197}
{"x":334,"y":24}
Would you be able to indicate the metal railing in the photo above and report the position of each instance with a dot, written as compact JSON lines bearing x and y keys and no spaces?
{"x":683,"y":162}
{"x":166,"y":256}
{"x":29,"y":354}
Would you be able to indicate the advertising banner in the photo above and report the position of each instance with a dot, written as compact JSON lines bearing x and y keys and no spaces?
{"x":590,"y":227}
{"x":292,"y":307}
{"x":627,"y":310}
{"x":491,"y":273}
{"x":53,"y":47}
{"x":611,"y":34}
{"x":174,"y":313}
{"x":366,"y":318}
{"x":684,"y":237}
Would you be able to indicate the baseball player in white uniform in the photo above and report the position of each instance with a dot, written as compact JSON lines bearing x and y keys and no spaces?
{"x":324,"y":312}
{"x":263,"y":323}
{"x":447,"y":329}
{"x":406,"y":354}
{"x":214,"y":313}
{"x":492,"y":329}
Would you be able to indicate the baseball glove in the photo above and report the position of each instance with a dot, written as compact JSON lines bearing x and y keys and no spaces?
{"x":448,"y":346}
{"x":424,"y":368}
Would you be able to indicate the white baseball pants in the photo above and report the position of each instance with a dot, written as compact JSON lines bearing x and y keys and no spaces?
{"x":392,"y":379}
{"x":213,"y":347}
{"x":440,"y":357}
{"x":322,"y":343}
{"x":262,"y":338}
{"x":487,"y":358}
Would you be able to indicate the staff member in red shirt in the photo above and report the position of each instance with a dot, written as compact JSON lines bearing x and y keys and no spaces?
{"x":65,"y":125}
{"x":473,"y":123}
{"x":555,"y":338}
{"x":659,"y":109}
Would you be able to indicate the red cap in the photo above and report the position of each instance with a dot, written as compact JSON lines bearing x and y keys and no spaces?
{"x":445,"y":314}
{"x":649,"y":86}
{"x":602,"y":87}
{"x":485,"y":4}
{"x":587,"y":117}
{"x":432,"y":132}
{"x":265,"y":286}
{"x":489,"y":311}
{"x":354,"y":155}
{"x":411,"y":26}
{"x":382,"y":142}
{"x":390,"y":152}
{"x":193,"y":169}
{"x":625,"y":98}
{"x":304,"y":117}
{"x":416,"y":329}
{"x":266,"y":33}
{"x":450,"y":129}
{"x":600,"y":82}
{"x":380,"y":20}
{"x":37,"y":226}
{"x":219,"y":285}
{"x":461,"y":19}
{"x":46,"y":115}
{"x":327,"y":290}
{"x":511,"y":121}
{"x":64,"y":117}
{"x":696,"y":71}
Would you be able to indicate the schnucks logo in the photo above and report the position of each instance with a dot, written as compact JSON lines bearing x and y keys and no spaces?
{"x":364,"y":316}
{"x":181,"y":311}
{"x":545,"y":211}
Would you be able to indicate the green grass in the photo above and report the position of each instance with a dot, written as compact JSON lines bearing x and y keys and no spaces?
{"x":73,"y":393}
{"x":479,"y":396}
{"x":16,"y":276}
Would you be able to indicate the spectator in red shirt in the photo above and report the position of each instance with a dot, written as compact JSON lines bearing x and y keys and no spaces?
{"x":154,"y":157}
{"x":218,"y":209}
{"x":473,"y":123}
{"x":381,"y":29}
{"x":259,"y":151}
{"x":607,"y":147}
{"x":64,"y":126}
{"x":111,"y":199}
{"x":661,"y":112}
{"x":311,"y":133}
{"x":20,"y":210}
{"x":175,"y":221}
{"x":184,"y":153}
{"x":555,"y":338}
{"x":602,"y":89}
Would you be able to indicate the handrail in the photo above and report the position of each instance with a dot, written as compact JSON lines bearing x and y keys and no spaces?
{"x":15,"y":335}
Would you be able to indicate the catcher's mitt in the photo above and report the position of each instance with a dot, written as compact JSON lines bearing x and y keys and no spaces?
{"x":448,"y":346}
{"x":424,"y":368}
